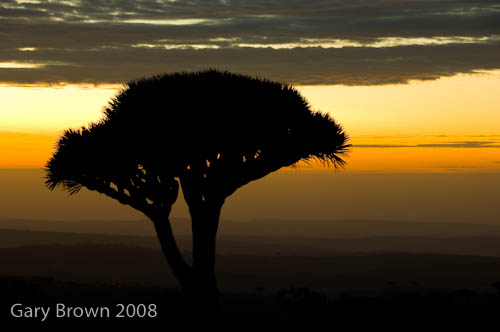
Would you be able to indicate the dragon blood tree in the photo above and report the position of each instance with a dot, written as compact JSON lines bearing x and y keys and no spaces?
{"x":210,"y":132}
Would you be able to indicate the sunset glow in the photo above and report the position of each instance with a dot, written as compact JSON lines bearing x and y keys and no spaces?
{"x":450,"y":124}
{"x":235,"y":163}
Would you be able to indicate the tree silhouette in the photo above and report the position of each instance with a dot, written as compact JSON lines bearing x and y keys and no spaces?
{"x":211,"y":132}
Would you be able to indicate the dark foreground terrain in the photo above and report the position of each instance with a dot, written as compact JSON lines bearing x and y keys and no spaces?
{"x":400,"y":309}
{"x":384,"y":283}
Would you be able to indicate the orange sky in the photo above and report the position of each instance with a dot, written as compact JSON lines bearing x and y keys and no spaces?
{"x":456,"y":119}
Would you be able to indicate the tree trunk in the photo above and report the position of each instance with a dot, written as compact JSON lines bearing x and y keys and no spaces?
{"x":205,"y":222}
{"x":181,"y":270}
{"x":198,"y":282}
{"x":205,"y":213}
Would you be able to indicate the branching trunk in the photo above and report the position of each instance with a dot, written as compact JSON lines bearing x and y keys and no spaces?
{"x":205,"y":213}
{"x":205,"y":221}
{"x":181,"y":270}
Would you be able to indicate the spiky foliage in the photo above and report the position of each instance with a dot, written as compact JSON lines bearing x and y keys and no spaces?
{"x":96,"y":157}
{"x":214,"y":131}
{"x":219,"y":124}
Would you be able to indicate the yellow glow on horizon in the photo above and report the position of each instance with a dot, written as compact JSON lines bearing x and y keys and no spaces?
{"x":424,"y":160}
{"x":458,"y":105}
{"x":51,"y":109}
{"x":22,"y":150}
{"x":455,"y":110}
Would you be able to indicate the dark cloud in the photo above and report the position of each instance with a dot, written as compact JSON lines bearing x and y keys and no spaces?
{"x":350,"y":66}
{"x":92,"y":41}
{"x":265,"y":22}
{"x":464,"y":144}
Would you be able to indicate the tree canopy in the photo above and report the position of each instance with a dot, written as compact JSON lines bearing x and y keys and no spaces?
{"x":210,"y":132}
{"x":230,"y":129}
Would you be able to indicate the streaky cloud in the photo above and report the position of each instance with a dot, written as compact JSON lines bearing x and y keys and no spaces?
{"x":302,"y":66}
{"x":301,"y":42}
{"x":464,"y":144}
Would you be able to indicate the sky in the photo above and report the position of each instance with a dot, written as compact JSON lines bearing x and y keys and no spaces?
{"x":361,"y":42}
{"x":415,"y":83}
{"x":445,"y":125}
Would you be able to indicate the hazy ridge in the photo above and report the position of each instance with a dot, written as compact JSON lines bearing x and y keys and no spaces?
{"x":274,"y":254}
{"x":271,"y":246}
{"x":267,"y":227}
{"x":126,"y":265}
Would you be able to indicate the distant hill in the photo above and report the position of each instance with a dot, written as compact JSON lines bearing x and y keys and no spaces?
{"x":119,"y":264}
{"x":231,"y":244}
{"x":274,"y":228}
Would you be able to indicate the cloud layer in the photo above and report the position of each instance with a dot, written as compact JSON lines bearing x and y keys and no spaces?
{"x":301,"y":42}
{"x":464,"y":144}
